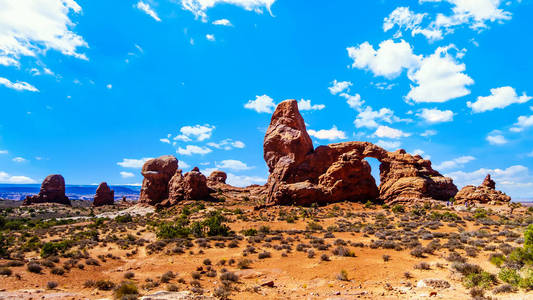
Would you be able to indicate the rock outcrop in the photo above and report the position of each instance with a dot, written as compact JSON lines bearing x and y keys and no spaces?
{"x":217,"y":177}
{"x":484,"y":193}
{"x":302,"y":175}
{"x":157,"y":173}
{"x":52,"y":191}
{"x":191,"y":186}
{"x":104,"y":195}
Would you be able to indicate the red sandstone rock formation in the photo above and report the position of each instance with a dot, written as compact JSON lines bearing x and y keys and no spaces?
{"x":104,"y":195}
{"x":52,"y":191}
{"x":191,"y":186}
{"x":157,"y":173}
{"x":302,"y":175}
{"x":217,"y":177}
{"x":484,"y":193}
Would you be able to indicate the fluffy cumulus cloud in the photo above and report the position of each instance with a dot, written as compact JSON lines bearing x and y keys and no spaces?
{"x":29,"y":28}
{"x":7,"y":178}
{"x":133,"y":163}
{"x":146,"y":8}
{"x":328,"y":134}
{"x":476,"y":13}
{"x":368,"y":117}
{"x":125,"y":174}
{"x":428,"y":133}
{"x":389,"y":132}
{"x":516,"y":181}
{"x":261,"y":104}
{"x":227,"y":144}
{"x":193,"y":149}
{"x":439,"y":78}
{"x":306,"y":105}
{"x":389,"y":60}
{"x":499,"y":98}
{"x":19,"y":85}
{"x":421,"y":153}
{"x":200,"y":7}
{"x":196,"y":132}
{"x":339,"y":86}
{"x":389,"y":145}
{"x":232,"y":164}
{"x":243,"y":180}
{"x":435,"y":115}
{"x":496,"y":139}
{"x":522,"y":123}
{"x":210,"y":37}
{"x":455,"y":163}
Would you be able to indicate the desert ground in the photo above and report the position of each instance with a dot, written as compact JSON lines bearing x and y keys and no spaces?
{"x":226,"y":249}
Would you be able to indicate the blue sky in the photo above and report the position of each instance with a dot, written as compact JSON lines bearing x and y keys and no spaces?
{"x":90,"y":89}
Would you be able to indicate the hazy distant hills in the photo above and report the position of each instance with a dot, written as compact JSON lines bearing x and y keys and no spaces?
{"x":74,"y":192}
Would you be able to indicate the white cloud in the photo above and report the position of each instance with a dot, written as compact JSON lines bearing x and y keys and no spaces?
{"x":339,"y":86}
{"x":242,"y":181}
{"x":198,"y":132}
{"x":407,"y":20}
{"x":496,"y":139}
{"x":124,"y":174}
{"x":109,"y":86}
{"x":522,"y":123}
{"x":328,"y":134}
{"x":439,"y":78}
{"x":6,"y":178}
{"x":388,"y":61}
{"x":499,"y":98}
{"x":192,"y":149}
{"x":368,"y":116}
{"x":227,"y":144}
{"x":354,"y":101}
{"x":388,"y":132}
{"x":306,"y":105}
{"x":530,"y":154}
{"x":458,"y":162}
{"x":232,"y":164}
{"x":19,"y":159}
{"x":428,"y":132}
{"x":184,"y":165}
{"x":516,"y":181}
{"x":4,"y":152}
{"x":210,"y":37}
{"x":222,"y":22}
{"x":200,"y":7}
{"x":145,"y":7}
{"x":476,"y":13}
{"x":435,"y":115}
{"x":133,"y":163}
{"x":389,"y":145}
{"x":31,"y":27}
{"x":19,"y":85}
{"x":261,"y":104}
{"x":421,"y":153}
{"x":165,"y":140}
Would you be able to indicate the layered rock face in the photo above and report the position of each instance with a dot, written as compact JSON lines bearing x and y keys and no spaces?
{"x":165,"y":185}
{"x":104,"y":195}
{"x":157,"y":173}
{"x":302,"y":175}
{"x":484,"y":193}
{"x":217,"y":177}
{"x":52,"y":191}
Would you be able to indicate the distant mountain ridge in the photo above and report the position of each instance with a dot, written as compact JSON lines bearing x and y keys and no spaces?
{"x":74,"y":192}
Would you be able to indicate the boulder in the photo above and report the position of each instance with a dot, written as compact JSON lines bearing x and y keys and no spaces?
{"x":217,"y":177}
{"x":484,"y":193}
{"x":52,"y":191}
{"x":302,"y":175}
{"x":157,"y":173}
{"x":191,"y":186}
{"x":104,"y":195}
